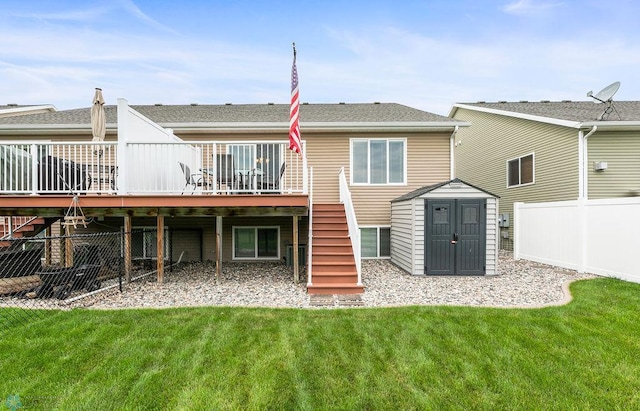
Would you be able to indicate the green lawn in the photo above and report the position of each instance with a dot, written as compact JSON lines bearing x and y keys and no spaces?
{"x":585,"y":355}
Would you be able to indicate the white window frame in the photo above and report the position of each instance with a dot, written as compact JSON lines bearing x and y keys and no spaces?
{"x":533,"y":170}
{"x":255,"y":250}
{"x":377,"y":257}
{"x":368,"y":140}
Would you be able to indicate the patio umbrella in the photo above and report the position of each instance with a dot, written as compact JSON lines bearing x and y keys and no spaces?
{"x":98,"y":120}
{"x":98,"y":125}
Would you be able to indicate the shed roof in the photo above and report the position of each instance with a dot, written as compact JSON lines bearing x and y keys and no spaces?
{"x":426,"y":189}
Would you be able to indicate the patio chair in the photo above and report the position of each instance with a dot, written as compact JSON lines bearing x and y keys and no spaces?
{"x":226,"y":173}
{"x":194,"y":180}
{"x":270,"y":185}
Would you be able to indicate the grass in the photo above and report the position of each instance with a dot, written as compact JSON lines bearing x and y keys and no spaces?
{"x":580,"y":356}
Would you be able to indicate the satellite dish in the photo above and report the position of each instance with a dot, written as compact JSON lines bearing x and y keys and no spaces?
{"x":606,"y":94}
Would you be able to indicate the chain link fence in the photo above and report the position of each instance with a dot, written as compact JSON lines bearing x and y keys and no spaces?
{"x":41,"y":273}
{"x":35,"y":270}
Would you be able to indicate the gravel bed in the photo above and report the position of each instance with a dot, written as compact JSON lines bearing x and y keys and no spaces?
{"x":518,"y":284}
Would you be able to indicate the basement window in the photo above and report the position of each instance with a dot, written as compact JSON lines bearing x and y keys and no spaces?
{"x":256,"y":243}
{"x":375,"y":242}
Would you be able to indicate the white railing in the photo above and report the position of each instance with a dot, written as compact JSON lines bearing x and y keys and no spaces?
{"x":354,"y":230}
{"x":309,"y":241}
{"x":58,"y":168}
{"x":9,"y":225}
{"x":168,"y":167}
{"x":594,"y":236}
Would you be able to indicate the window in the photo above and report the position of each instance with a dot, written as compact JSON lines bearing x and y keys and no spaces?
{"x":378,"y":161}
{"x":375,"y":242}
{"x":520,"y":171}
{"x":256,"y":243}
{"x":144,"y":243}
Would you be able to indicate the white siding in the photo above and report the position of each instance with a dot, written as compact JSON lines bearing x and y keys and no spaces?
{"x":402,"y":235}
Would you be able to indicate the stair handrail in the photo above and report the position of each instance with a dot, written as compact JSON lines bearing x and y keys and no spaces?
{"x":352,"y":221}
{"x":309,"y":241}
{"x":14,"y":223}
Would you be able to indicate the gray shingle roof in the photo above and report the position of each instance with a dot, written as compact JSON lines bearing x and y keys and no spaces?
{"x":426,"y":189}
{"x":245,"y":113}
{"x":580,"y":111}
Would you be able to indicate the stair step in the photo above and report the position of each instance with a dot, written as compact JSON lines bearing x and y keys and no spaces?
{"x":331,"y":241}
{"x":330,"y":226}
{"x":333,"y":258}
{"x":332,"y":267}
{"x":328,"y":207}
{"x":332,"y":249}
{"x":329,"y":219}
{"x":330,"y":233}
{"x":335,"y":279}
{"x":337,"y":288}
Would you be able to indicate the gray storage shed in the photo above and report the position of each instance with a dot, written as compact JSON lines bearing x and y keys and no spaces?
{"x":449,"y":228}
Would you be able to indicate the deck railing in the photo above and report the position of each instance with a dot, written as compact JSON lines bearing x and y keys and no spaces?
{"x":171,"y":168}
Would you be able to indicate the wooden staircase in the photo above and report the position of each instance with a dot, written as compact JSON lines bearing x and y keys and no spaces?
{"x":333,"y":264}
{"x":28,"y":229}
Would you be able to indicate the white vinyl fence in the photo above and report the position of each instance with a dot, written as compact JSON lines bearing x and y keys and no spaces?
{"x":595,"y":236}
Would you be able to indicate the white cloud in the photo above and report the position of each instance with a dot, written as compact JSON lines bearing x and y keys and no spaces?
{"x":527,"y":7}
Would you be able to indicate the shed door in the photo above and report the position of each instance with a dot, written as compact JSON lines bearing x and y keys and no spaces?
{"x":455,"y":237}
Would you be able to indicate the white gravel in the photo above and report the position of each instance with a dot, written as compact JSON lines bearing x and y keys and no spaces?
{"x":518,"y":284}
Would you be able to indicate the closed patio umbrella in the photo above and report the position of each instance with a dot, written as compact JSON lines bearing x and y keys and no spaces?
{"x":98,"y":120}
{"x":98,"y":126}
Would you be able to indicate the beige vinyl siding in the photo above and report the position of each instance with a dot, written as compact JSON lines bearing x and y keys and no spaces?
{"x":621,"y":152}
{"x":427,"y":163}
{"x":483,"y":150}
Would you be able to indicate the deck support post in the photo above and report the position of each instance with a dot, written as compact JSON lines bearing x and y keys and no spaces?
{"x":68,"y":246}
{"x":160,"y":247}
{"x":127,"y":247}
{"x":218,"y":248}
{"x":296,"y":263}
{"x":47,"y":246}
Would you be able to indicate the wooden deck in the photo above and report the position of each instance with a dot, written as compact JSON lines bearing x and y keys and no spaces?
{"x":154,"y":205}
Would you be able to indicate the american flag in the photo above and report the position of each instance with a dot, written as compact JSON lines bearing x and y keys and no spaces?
{"x":294,"y":113}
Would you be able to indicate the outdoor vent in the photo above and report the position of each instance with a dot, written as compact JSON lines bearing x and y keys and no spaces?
{"x":342,"y":102}
{"x":523,"y":101}
{"x":227,"y":104}
{"x":600,"y":165}
{"x":305,"y":103}
{"x":271,"y":104}
{"x":12,"y":105}
{"x":502,"y":101}
{"x":194,"y":104}
{"x":545,"y":101}
{"x":158,"y":104}
{"x":566,"y":101}
{"x":376,"y":102}
{"x":481,"y":102}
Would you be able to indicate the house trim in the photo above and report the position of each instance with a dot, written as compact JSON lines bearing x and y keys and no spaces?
{"x":548,"y":120}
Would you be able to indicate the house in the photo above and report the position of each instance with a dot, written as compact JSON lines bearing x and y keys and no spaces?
{"x":224,"y":178}
{"x":548,"y":151}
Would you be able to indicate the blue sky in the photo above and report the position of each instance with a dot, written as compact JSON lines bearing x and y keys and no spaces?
{"x":425,"y":54}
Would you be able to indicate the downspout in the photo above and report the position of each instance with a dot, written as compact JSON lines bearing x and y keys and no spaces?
{"x":452,"y":170}
{"x":583,"y":191}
